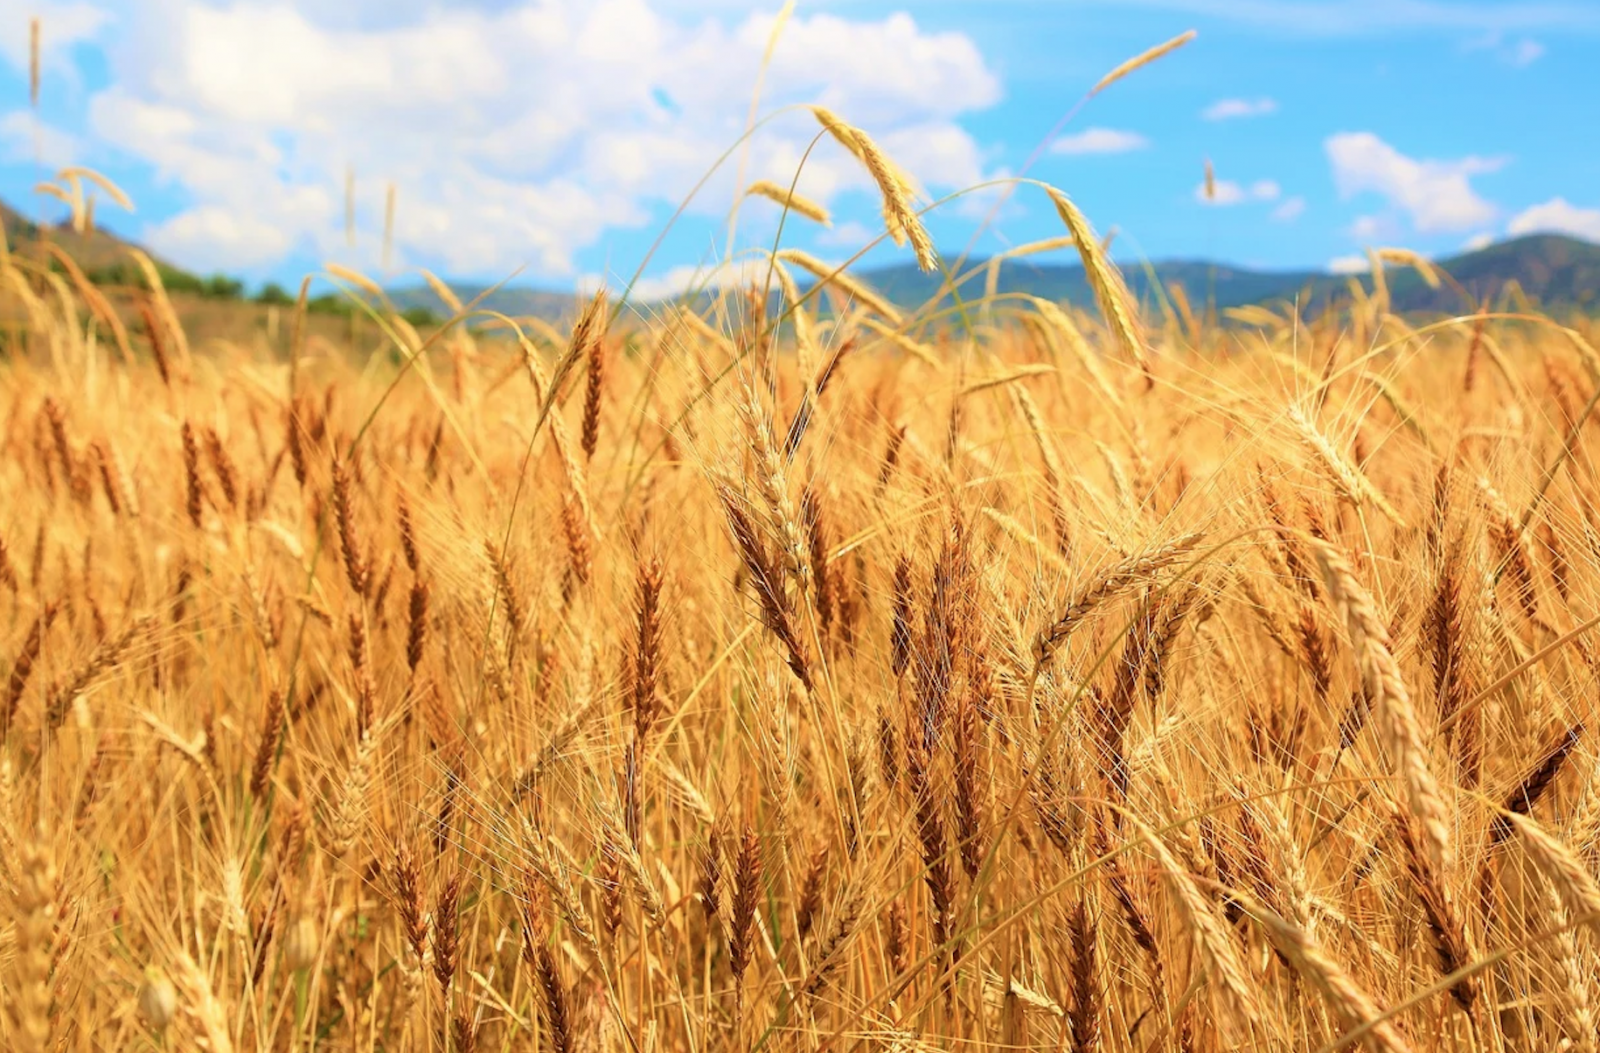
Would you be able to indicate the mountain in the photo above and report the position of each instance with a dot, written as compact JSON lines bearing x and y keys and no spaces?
{"x":1227,"y":286}
{"x":904,"y":284}
{"x":1556,"y":272}
{"x":511,"y":300}
{"x":93,"y":250}
{"x":103,"y":256}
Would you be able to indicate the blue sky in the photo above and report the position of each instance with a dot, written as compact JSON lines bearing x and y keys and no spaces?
{"x":558,"y":136}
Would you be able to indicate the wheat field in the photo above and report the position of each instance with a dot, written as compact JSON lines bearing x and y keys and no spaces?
{"x":793,"y":671}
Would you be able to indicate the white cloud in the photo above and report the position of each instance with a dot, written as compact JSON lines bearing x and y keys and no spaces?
{"x":1227,"y":192}
{"x":1349,"y":265}
{"x":518,"y":134}
{"x":1478,"y":241}
{"x":850,"y":234}
{"x":1099,"y":141}
{"x":1435,"y":195}
{"x":1231,"y":109}
{"x":684,"y":278}
{"x":1372,"y":228}
{"x":214,"y":238}
{"x":1557,"y":216}
{"x":61,"y":28}
{"x":21,"y":139}
{"x":1291,"y":209}
{"x":942,"y":152}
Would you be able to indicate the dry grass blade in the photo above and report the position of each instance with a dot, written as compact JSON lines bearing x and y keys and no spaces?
{"x":1579,"y":892}
{"x":1385,"y":688}
{"x":985,"y":383}
{"x":847,"y":286}
{"x":1110,"y":292}
{"x":1415,"y":260}
{"x":921,"y":352}
{"x":1143,"y":59}
{"x":1238,"y":1005}
{"x":1108,"y":584}
{"x":1354,"y":1006}
{"x":356,"y":278}
{"x":445,"y":294}
{"x":100,"y":180}
{"x":894,"y":186}
{"x":794,"y":202}
{"x":1352,"y":484}
{"x":94,"y":298}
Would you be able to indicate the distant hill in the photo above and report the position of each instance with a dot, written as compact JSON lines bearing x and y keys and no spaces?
{"x":511,"y":300}
{"x":94,"y":251}
{"x":1554,"y":271}
{"x":1228,"y":286}
{"x":904,"y":284}
{"x":103,"y":257}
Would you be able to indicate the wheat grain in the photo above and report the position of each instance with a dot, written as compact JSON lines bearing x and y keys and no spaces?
{"x":1142,"y":59}
{"x":1110,"y":293}
{"x":1384,"y":685}
{"x":789,"y":200}
{"x":895,"y":187}
{"x":847,"y":286}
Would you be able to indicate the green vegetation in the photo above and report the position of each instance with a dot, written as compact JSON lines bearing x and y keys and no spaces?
{"x":274,"y":294}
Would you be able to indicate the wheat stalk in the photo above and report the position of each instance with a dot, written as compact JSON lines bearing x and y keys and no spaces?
{"x":1385,"y":688}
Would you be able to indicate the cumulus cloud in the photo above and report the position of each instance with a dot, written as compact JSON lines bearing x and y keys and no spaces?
{"x":62,"y":28}
{"x":515,"y":135}
{"x":1373,"y":228}
{"x":1227,"y":192}
{"x":1349,"y":265}
{"x":1478,"y":241}
{"x":851,"y":234}
{"x":1437,"y":196}
{"x":1099,"y":141}
{"x":1557,"y":216}
{"x":1232,"y":109}
{"x":685,"y":278}
{"x":214,"y":238}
